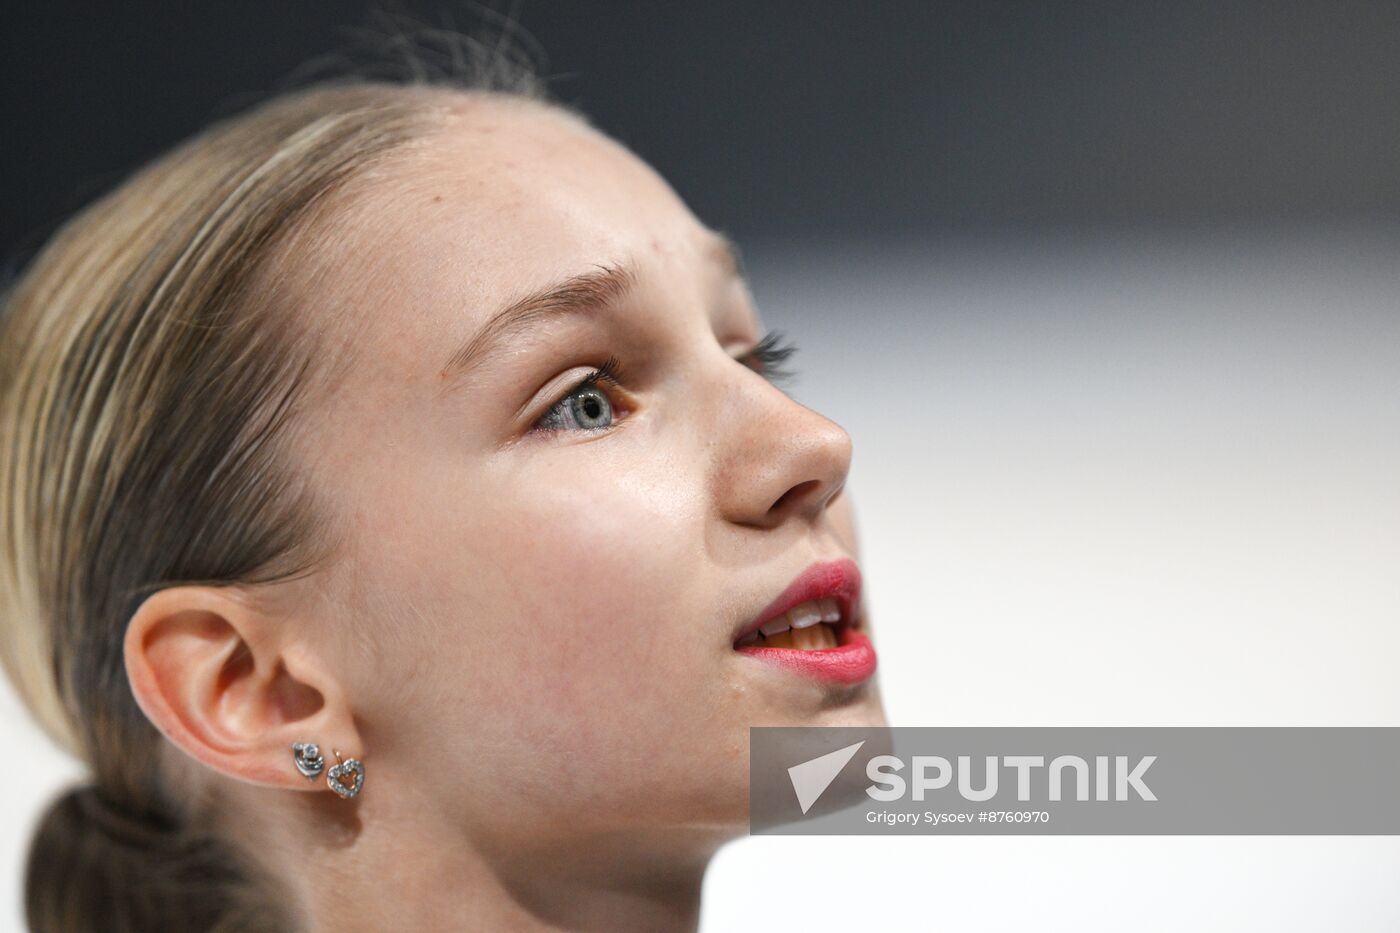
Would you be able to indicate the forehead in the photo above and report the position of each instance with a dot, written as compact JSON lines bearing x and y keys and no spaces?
{"x":502,"y":198}
{"x":523,"y":187}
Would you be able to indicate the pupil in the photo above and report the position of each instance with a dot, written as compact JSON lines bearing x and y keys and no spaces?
{"x":591,"y":409}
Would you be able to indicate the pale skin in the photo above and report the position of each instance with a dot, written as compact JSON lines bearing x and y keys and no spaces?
{"x":528,"y":641}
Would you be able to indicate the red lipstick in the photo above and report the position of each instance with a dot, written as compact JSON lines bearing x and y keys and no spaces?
{"x":853,"y":659}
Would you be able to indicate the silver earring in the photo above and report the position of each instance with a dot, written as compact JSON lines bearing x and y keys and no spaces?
{"x":347,"y":767}
{"x":307,"y":757}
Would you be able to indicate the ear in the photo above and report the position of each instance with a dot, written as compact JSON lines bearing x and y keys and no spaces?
{"x":230,"y":685}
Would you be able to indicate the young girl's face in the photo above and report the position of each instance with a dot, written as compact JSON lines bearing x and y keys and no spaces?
{"x":536,"y":617}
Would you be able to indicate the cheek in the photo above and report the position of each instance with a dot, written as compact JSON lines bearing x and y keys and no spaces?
{"x":600,"y":575}
{"x":571,"y":600}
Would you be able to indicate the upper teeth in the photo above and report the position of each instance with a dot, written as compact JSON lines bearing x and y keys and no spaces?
{"x":803,"y":615}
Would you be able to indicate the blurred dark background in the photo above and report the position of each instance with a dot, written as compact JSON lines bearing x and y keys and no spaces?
{"x":806,"y":119}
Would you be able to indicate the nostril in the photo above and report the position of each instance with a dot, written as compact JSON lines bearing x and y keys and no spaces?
{"x":794,"y":494}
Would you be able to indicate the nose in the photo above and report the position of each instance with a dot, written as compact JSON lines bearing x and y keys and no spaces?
{"x":781,"y":460}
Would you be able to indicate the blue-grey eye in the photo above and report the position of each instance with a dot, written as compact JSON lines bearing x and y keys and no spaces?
{"x":591,"y":408}
{"x":586,"y":409}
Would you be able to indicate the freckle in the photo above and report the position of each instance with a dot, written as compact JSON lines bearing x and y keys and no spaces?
{"x":437,"y":199}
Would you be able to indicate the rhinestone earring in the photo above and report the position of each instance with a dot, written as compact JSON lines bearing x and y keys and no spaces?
{"x":347,"y":777}
{"x":307,"y":757}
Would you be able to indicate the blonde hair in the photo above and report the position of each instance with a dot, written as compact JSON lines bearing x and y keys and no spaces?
{"x":145,"y":390}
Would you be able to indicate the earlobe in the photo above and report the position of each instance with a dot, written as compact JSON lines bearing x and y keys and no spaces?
{"x":217,"y":677}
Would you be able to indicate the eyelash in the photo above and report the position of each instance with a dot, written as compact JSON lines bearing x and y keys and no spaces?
{"x":771,"y":353}
{"x":766,"y":358}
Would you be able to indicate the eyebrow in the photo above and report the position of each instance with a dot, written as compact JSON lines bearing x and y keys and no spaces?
{"x":587,"y":293}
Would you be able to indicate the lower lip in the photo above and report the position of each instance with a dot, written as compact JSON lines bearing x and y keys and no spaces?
{"x":850,"y":662}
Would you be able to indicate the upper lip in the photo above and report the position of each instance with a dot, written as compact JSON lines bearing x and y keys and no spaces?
{"x":832,"y":579}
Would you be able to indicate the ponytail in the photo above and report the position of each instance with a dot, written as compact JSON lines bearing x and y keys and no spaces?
{"x":95,"y":864}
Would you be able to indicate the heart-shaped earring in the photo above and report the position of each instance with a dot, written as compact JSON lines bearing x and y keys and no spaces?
{"x":347,"y":777}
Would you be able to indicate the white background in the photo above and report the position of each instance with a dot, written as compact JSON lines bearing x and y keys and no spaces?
{"x":1107,"y":480}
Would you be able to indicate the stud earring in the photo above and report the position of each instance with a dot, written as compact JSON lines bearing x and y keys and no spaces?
{"x":307,"y":757}
{"x":347,"y":777}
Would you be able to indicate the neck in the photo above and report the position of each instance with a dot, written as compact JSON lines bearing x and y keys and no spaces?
{"x":358,"y":870}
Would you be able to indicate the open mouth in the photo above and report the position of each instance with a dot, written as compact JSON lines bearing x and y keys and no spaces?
{"x":810,"y":626}
{"x":813,"y":628}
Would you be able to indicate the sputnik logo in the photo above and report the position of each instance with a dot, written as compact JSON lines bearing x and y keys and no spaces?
{"x":811,"y":778}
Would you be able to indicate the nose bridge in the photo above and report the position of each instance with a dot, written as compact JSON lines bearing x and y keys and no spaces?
{"x":775,"y":458}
